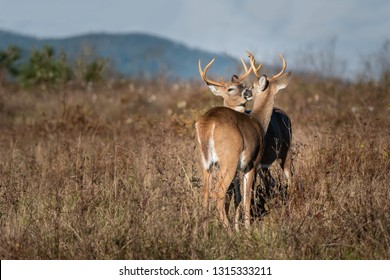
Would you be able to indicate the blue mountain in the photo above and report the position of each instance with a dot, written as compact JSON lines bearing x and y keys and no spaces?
{"x":132,"y":55}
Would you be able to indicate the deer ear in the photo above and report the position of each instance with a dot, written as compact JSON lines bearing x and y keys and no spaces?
{"x":235,"y":79}
{"x":283,"y":81}
{"x":263,"y":82}
{"x":214,"y":90}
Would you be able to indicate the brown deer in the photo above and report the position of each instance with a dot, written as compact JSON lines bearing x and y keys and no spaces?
{"x":235,"y":95}
{"x":277,"y":139}
{"x":229,"y":140}
{"x":277,"y":142}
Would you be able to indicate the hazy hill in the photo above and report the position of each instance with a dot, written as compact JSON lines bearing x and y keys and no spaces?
{"x":137,"y":55}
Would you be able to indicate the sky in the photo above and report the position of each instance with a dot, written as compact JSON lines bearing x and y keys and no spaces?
{"x":346,"y":30}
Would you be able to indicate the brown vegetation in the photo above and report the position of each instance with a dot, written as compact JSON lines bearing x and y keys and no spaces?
{"x":112,"y":173}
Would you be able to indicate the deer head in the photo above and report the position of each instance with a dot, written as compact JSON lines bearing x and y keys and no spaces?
{"x":269,"y":84}
{"x":234,"y":93}
{"x":265,"y":89}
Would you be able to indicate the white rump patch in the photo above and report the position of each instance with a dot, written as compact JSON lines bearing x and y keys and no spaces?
{"x":211,"y":153}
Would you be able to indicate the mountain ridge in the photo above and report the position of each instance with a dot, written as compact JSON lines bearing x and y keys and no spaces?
{"x":132,"y":54}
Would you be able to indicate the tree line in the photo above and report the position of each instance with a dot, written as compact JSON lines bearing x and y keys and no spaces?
{"x":44,"y":67}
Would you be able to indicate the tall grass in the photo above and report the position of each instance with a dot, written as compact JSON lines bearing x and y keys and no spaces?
{"x":112,"y":173}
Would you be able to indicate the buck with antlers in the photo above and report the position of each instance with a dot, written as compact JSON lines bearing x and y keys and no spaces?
{"x":235,"y":95}
{"x":229,"y":140}
{"x":277,"y":140}
{"x":277,"y":144}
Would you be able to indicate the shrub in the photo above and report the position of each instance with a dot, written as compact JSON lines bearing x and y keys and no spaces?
{"x":8,"y":58}
{"x":45,"y":69}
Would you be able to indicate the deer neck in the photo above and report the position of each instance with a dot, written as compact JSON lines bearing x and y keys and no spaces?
{"x":239,"y":108}
{"x":262,"y":109}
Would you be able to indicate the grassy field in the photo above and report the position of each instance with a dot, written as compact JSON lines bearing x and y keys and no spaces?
{"x":112,"y":173}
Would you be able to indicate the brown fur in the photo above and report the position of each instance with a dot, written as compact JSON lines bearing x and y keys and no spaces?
{"x":236,"y":136}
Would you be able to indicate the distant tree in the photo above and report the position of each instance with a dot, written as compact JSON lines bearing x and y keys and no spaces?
{"x":94,"y":70}
{"x":8,"y":58}
{"x":44,"y":68}
{"x":89,"y":68}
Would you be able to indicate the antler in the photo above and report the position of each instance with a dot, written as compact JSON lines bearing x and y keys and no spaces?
{"x":283,"y":69}
{"x":247,"y":72}
{"x":244,"y":65}
{"x":253,"y":64}
{"x":207,"y":80}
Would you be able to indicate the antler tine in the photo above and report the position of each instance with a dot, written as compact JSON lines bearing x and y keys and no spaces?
{"x":283,"y":68}
{"x":243,"y":64}
{"x":247,"y":71}
{"x":203,"y":74}
{"x":253,"y":64}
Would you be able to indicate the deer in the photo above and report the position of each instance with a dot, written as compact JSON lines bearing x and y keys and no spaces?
{"x":277,"y":139}
{"x":235,"y":95}
{"x":230,"y":140}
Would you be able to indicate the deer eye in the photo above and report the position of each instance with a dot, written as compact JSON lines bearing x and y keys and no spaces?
{"x":230,"y":89}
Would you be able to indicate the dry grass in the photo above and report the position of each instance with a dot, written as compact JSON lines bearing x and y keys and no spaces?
{"x":112,"y":173}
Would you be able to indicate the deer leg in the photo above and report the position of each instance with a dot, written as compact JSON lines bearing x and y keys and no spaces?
{"x":234,"y":189}
{"x":224,"y":180}
{"x":206,"y":201}
{"x":286,"y":165}
{"x":229,"y":195}
{"x":237,"y":191}
{"x":206,"y":189}
{"x":237,"y":201}
{"x":248,"y":184}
